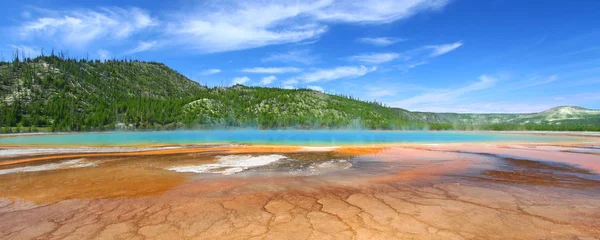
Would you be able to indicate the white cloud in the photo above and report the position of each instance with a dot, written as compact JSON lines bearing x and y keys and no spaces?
{"x":103,"y":54}
{"x":288,"y":87}
{"x":335,"y":73}
{"x":379,"y":41}
{"x":383,"y":89}
{"x":414,"y":65}
{"x":487,"y":107}
{"x":233,"y":25}
{"x":316,"y":88}
{"x":27,"y":51}
{"x":78,"y":28}
{"x":529,"y":82}
{"x":438,"y":50}
{"x":219,"y":26}
{"x":210,"y":71}
{"x":579,"y":98}
{"x":272,"y":70}
{"x":536,"y":81}
{"x":236,"y":25}
{"x":425,"y":54}
{"x":375,"y":11}
{"x":295,"y":56}
{"x":143,"y":46}
{"x":375,"y":58}
{"x":445,"y":96}
{"x":291,"y":81}
{"x":240,"y":80}
{"x":268,"y":80}
{"x":377,"y":92}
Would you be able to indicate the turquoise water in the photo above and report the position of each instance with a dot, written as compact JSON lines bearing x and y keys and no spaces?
{"x":272,"y":137}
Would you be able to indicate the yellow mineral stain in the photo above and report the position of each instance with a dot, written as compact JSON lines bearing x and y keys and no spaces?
{"x":392,"y":192}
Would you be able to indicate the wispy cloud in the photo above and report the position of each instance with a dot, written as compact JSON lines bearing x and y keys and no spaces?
{"x":379,"y":41}
{"x":488,"y":107}
{"x":271,"y":70}
{"x":336,"y":73}
{"x":445,"y":96}
{"x":375,"y":11}
{"x":425,"y":54}
{"x":240,"y":80}
{"x":374,"y":58}
{"x":27,"y":51}
{"x":316,"y":88}
{"x":295,"y":56}
{"x":268,"y":80}
{"x":234,"y":25}
{"x":143,"y":46}
{"x":529,"y":82}
{"x":210,"y":71}
{"x":377,"y":92}
{"x":382,"y":89}
{"x":221,"y":26}
{"x":237,"y":25}
{"x":416,"y":64}
{"x":80,"y":27}
{"x":536,"y":81}
{"x":290,"y":81}
{"x":438,"y":50}
{"x":103,"y":54}
{"x":578,"y":98}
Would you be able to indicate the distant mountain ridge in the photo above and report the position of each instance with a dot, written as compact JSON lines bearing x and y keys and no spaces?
{"x":554,"y":116}
{"x":565,"y":113}
{"x":52,"y":93}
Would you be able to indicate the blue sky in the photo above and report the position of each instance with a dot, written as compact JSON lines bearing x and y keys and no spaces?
{"x":425,"y":55}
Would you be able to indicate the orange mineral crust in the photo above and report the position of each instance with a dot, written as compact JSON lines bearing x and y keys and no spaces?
{"x":447,"y":191}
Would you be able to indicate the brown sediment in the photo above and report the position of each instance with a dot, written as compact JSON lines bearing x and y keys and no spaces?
{"x":427,"y":172}
{"x":530,"y":178}
{"x":121,"y":154}
{"x":131,"y":174}
{"x":198,"y":150}
{"x":390,"y":211}
{"x":522,"y":171}
{"x":433,"y":192}
{"x":424,"y":163}
{"x":107,"y":181}
{"x":587,"y":161}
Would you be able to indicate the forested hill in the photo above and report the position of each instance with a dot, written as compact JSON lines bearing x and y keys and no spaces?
{"x":68,"y":94}
{"x":54,"y":93}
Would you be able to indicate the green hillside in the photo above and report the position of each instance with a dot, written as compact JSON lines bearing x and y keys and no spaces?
{"x":566,"y":115}
{"x":241,"y":106}
{"x":71,"y":95}
{"x":564,"y":118}
{"x":57,"y":94}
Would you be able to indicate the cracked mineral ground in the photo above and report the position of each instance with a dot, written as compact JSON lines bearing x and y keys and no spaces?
{"x":444,"y":191}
